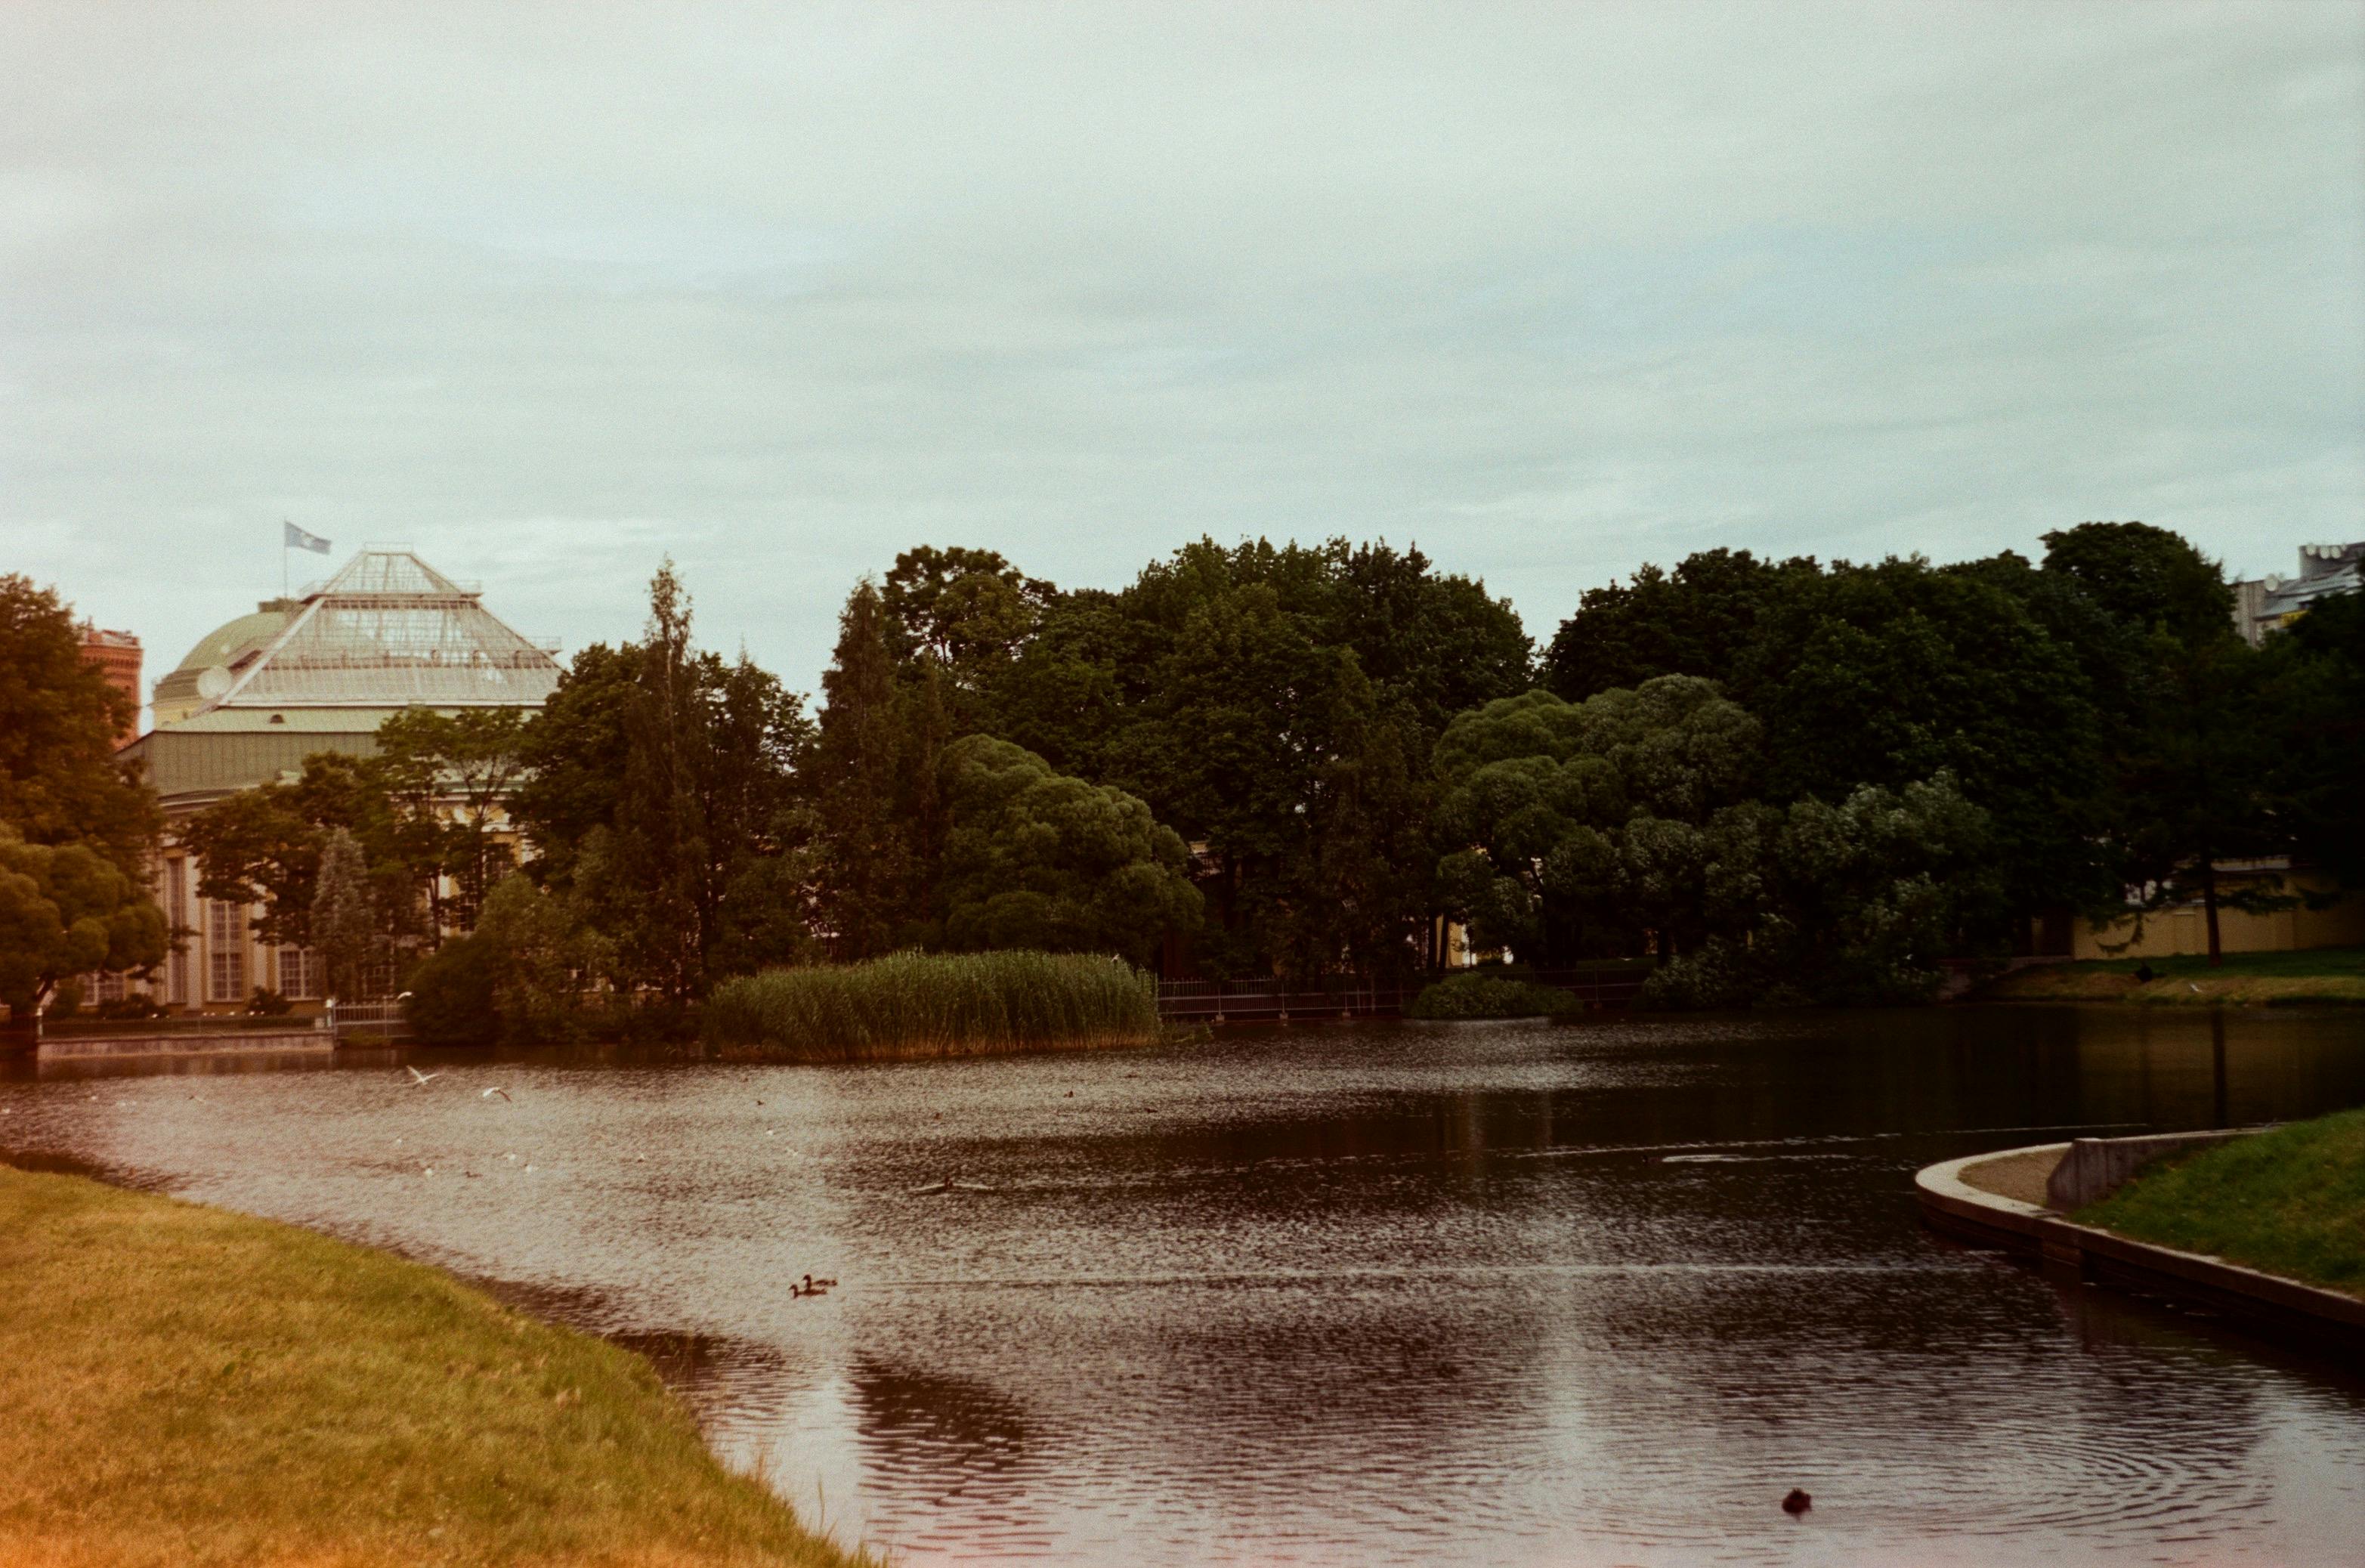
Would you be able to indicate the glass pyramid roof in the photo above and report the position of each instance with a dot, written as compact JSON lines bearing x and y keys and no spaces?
{"x":388,"y":630}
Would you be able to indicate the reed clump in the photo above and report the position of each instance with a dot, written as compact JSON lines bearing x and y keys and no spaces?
{"x":933,"y":1005}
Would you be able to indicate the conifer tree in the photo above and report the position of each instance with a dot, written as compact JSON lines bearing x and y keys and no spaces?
{"x":873,"y":782}
{"x":345,"y":927}
{"x":660,"y":839}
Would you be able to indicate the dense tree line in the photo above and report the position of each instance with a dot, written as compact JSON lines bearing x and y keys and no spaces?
{"x":1781,"y":778}
{"x":2099,"y":707}
{"x":1226,"y":761}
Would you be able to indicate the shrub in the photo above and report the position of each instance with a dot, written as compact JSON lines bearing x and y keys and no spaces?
{"x":267,"y":1003}
{"x":132,"y":1005}
{"x":1719,"y":974}
{"x":540,"y":956}
{"x":450,"y":1001}
{"x":1490,"y":996}
{"x":921,"y":1004}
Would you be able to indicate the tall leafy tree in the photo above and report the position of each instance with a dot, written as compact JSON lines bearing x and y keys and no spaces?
{"x":2310,"y":685}
{"x":65,"y":909}
{"x":60,"y":779}
{"x":1603,"y":826}
{"x":1035,"y":858}
{"x":1074,"y":685}
{"x":707,"y":780}
{"x":1890,"y":674}
{"x":1701,"y":619}
{"x":1250,"y":713}
{"x":2147,"y":580}
{"x":1363,"y":894}
{"x":1887,"y":673}
{"x":452,"y":775}
{"x":659,"y":847}
{"x":574,"y":755}
{"x":259,"y":846}
{"x":427,"y":806}
{"x":966,"y":612}
{"x":1275,"y":704}
{"x":2190,"y":773}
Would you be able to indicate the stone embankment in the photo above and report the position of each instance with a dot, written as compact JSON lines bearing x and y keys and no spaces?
{"x":2018,"y":1200}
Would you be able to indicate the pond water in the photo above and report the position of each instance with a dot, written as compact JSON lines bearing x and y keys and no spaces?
{"x":1504,"y":1294}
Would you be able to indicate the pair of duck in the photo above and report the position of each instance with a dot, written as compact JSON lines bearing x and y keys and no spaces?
{"x":810,"y":1287}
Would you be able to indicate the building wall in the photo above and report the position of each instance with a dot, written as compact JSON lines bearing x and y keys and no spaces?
{"x":116,"y":654}
{"x":218,"y":964}
{"x":2185,"y":929}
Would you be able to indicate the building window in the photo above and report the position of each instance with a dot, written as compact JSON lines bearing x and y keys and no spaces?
{"x":299,"y":973}
{"x":225,"y":951}
{"x":109,"y":987}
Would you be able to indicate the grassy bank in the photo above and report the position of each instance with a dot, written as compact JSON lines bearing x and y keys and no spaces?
{"x":2291,"y":1202}
{"x":186,"y":1386}
{"x":2324,"y":974}
{"x":933,"y":1005}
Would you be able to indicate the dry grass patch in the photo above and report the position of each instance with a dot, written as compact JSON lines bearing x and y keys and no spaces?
{"x":186,"y":1386}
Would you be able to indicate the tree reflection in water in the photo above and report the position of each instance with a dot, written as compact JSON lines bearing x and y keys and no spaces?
{"x":1502,"y":1294}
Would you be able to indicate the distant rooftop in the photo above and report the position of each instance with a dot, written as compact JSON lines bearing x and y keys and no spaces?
{"x":2265,"y":604}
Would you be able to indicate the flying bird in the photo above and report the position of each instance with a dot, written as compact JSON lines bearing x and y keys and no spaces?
{"x":490,"y":1092}
{"x":420,"y":1077}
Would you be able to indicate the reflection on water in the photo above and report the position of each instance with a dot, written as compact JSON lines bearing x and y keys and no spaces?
{"x":1517,"y":1294}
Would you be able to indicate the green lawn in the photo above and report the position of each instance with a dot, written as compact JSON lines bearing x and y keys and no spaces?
{"x":184,"y":1386}
{"x":2291,"y":1202}
{"x":2316,"y":975}
{"x":2309,"y":962}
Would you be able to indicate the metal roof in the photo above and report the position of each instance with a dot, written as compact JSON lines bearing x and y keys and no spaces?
{"x":191,"y":768}
{"x":388,"y":630}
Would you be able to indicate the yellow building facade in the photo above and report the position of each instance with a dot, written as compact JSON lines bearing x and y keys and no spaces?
{"x":2183,"y":928}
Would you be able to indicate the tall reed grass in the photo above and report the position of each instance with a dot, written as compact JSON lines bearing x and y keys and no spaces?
{"x":933,"y":1005}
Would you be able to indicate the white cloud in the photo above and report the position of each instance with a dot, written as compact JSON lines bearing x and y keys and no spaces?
{"x":553,"y":292}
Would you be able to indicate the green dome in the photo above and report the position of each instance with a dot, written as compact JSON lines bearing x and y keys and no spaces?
{"x":231,"y":638}
{"x":176,"y":695}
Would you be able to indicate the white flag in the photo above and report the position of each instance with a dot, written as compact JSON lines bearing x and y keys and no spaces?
{"x":295,"y":538}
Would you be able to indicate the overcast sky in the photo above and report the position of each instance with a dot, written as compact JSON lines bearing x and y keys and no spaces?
{"x":1553,"y":292}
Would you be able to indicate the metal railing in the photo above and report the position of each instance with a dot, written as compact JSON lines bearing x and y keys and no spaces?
{"x":383,"y":1019}
{"x":1275,"y":1001}
{"x":1279,"y":1002}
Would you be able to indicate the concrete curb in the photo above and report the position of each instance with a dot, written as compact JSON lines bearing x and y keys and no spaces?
{"x":1951,"y":1207}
